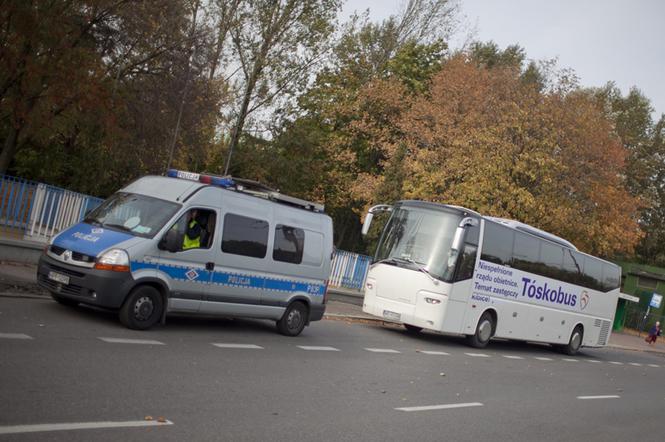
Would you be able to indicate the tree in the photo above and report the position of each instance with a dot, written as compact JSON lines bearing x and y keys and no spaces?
{"x":482,"y":139}
{"x":276,"y":42}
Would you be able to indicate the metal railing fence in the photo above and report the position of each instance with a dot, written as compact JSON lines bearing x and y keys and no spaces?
{"x":39,"y":210}
{"x":349,"y":270}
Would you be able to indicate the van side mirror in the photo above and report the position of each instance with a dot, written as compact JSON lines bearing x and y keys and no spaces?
{"x":171,"y":242}
{"x":367,"y":223}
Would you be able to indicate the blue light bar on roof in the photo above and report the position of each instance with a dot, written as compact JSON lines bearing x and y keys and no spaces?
{"x":205,"y":179}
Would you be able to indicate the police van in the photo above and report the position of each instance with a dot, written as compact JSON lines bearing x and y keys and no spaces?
{"x":193,"y":243}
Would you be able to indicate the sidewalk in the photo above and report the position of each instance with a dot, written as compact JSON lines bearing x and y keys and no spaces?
{"x":17,"y":279}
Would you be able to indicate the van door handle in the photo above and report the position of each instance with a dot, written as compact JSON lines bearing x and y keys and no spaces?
{"x":210,"y":266}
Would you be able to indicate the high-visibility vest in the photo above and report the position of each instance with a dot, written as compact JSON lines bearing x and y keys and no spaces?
{"x":191,"y":243}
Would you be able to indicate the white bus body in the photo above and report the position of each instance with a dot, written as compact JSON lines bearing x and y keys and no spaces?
{"x":452,"y":270}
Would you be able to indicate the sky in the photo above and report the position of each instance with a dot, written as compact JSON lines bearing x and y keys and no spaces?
{"x":601,"y":40}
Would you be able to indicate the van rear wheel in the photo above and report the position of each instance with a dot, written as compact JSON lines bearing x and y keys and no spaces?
{"x":142,"y":308}
{"x":294,"y":319}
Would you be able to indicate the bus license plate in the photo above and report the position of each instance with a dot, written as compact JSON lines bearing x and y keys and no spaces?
{"x":391,"y":315}
{"x":58,"y":277}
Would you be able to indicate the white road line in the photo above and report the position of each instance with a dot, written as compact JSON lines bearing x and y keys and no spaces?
{"x":512,"y":357}
{"x":440,"y":407}
{"x":432,"y":352}
{"x":609,"y":396}
{"x":131,"y":341}
{"x":477,"y":355}
{"x":594,"y":361}
{"x":248,"y":346}
{"x":14,"y":336}
{"x":315,"y":348}
{"x":570,"y":360}
{"x":15,"y":429}
{"x":654,"y":365}
{"x":635,"y":364}
{"x":541,"y":358}
{"x":381,"y":350}
{"x":616,"y":363}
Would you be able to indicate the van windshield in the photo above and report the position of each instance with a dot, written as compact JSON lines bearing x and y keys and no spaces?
{"x":138,"y":215}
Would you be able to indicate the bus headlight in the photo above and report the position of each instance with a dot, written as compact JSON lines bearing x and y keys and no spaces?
{"x":432,"y":301}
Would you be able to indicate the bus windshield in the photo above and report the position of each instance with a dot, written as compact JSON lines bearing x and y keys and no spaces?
{"x":135,"y":214}
{"x":420,"y":238}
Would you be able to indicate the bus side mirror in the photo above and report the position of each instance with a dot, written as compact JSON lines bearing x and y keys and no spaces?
{"x":370,"y":214}
{"x":367,"y":223}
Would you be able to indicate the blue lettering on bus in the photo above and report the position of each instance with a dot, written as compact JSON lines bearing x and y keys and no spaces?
{"x":532,"y":289}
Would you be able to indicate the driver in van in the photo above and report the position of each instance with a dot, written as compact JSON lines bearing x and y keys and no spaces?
{"x":192,"y":238}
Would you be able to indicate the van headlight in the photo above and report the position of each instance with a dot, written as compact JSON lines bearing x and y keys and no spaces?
{"x":115,"y":260}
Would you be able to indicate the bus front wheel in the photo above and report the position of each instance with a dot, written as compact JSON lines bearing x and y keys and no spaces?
{"x":484,"y":331}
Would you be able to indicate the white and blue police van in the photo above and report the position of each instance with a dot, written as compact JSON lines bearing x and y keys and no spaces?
{"x":195,"y":244}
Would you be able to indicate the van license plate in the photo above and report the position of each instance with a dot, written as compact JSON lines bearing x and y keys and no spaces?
{"x":55,"y":276}
{"x":391,"y":315}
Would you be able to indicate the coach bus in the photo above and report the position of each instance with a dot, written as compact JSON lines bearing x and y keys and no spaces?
{"x":452,"y":270}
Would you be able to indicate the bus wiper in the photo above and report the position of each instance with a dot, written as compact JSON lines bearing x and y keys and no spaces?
{"x":418,"y":266}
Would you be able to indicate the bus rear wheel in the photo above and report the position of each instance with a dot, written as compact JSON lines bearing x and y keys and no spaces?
{"x":484,"y":331}
{"x":575,"y":342}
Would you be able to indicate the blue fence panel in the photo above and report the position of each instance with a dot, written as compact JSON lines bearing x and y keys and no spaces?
{"x":349,"y":270}
{"x":15,"y":201}
{"x":40,"y":210}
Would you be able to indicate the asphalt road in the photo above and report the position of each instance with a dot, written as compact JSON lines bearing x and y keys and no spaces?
{"x":338,"y":381}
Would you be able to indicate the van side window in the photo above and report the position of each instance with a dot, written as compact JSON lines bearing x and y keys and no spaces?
{"x":245,"y":236}
{"x":289,"y":244}
{"x":195,"y":229}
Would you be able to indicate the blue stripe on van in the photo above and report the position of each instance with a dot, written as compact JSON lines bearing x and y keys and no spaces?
{"x":233,"y":279}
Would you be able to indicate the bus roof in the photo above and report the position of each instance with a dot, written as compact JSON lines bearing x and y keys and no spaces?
{"x":516,"y":225}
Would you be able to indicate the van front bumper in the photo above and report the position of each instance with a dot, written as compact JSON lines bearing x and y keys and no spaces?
{"x":102,"y":288}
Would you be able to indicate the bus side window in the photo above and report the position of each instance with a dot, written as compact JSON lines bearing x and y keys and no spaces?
{"x":497,"y":244}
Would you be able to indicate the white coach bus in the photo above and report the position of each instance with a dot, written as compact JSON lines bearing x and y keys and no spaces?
{"x":452,"y":270}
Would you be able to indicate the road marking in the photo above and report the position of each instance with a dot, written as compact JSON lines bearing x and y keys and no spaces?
{"x":14,"y":336}
{"x":512,"y":357}
{"x":432,"y":352}
{"x":381,"y":350}
{"x":315,"y":348}
{"x":15,"y":429}
{"x":131,"y":341}
{"x":654,"y":365}
{"x":248,"y":346}
{"x":477,"y":355}
{"x":609,"y":396}
{"x":635,"y":364}
{"x":570,"y":360}
{"x":594,"y":361}
{"x":541,"y":358}
{"x":616,"y":363}
{"x":440,"y":407}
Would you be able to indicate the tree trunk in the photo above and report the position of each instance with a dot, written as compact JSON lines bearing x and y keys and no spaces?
{"x":9,"y":149}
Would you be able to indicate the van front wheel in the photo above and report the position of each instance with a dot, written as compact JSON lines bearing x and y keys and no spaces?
{"x":142,"y":308}
{"x":294,"y":319}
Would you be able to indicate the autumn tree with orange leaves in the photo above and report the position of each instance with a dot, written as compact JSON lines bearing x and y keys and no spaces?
{"x":483,"y":139}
